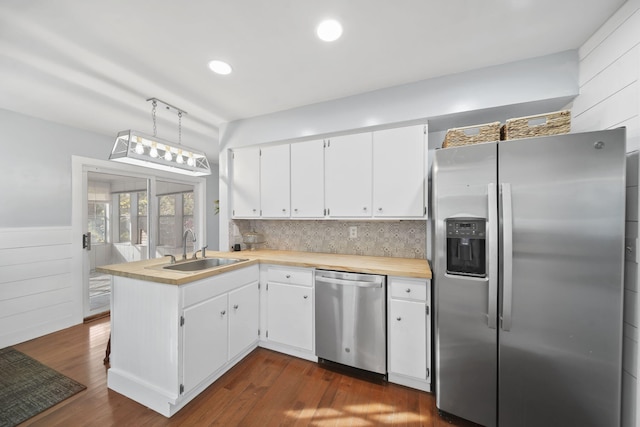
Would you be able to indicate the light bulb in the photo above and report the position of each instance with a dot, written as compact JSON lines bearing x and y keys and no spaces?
{"x":179,"y":158}
{"x":329,"y":30}
{"x":139,"y":148}
{"x":190,"y":160}
{"x":167,"y":154}
{"x":153,"y":152}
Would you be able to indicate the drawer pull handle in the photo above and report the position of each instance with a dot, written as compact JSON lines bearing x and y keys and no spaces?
{"x":288,"y":276}
{"x":235,"y":307}
{"x":223,"y":312}
{"x":306,"y":296}
{"x":408,"y":290}
{"x":398,"y":318}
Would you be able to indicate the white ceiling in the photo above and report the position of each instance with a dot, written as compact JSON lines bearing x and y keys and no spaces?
{"x":92,"y":64}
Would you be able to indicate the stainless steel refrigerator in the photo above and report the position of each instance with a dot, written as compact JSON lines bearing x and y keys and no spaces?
{"x":528,"y":280}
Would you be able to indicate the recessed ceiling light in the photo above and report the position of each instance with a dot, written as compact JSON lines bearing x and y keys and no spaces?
{"x":329,"y":30}
{"x":220,"y":67}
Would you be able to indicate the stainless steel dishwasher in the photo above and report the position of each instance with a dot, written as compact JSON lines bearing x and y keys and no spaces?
{"x":351,"y":319}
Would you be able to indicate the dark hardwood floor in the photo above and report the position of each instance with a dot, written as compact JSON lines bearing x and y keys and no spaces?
{"x":265,"y":389}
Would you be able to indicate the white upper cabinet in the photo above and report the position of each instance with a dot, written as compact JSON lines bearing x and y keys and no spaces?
{"x":379,"y":174}
{"x":399,"y":172}
{"x":307,"y":179}
{"x":275,"y":182}
{"x":246,"y":183}
{"x":348,"y":169}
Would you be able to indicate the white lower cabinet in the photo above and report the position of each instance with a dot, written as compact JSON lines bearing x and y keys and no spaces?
{"x":409,"y":332}
{"x":205,"y":337}
{"x":243,"y":318}
{"x":170,"y":342}
{"x":288,"y":320}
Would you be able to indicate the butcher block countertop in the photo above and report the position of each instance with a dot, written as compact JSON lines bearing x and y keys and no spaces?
{"x":151,"y":270}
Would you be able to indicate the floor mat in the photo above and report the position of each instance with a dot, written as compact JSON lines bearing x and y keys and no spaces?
{"x":27,"y":387}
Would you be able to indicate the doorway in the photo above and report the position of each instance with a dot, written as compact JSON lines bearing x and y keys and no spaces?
{"x":132,"y":216}
{"x":117,"y":218}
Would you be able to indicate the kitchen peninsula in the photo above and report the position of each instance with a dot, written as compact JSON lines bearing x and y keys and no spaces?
{"x":175,"y":332}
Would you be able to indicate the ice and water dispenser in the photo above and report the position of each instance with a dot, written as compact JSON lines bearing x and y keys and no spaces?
{"x":466,"y":246}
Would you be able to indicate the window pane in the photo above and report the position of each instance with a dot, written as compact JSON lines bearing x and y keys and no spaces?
{"x":142,"y":230}
{"x":165,"y":230}
{"x":187,"y":203}
{"x":142,"y":203}
{"x":187,"y":223}
{"x":125,"y":229}
{"x":167,"y":205}
{"x":125,"y":204}
{"x":97,"y":228}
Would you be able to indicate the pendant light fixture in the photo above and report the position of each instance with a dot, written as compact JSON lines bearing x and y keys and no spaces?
{"x":140,"y":149}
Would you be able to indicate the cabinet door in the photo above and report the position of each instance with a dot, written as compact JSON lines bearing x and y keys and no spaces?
{"x":243,"y":318}
{"x":348,"y":166}
{"x":290,"y":315}
{"x":246,"y":183}
{"x":408,"y":338}
{"x":275,"y":182}
{"x":307,"y":179}
{"x":204,"y":340}
{"x":399,"y":172}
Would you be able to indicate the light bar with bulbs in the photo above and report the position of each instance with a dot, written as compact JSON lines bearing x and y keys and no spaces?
{"x":140,"y":149}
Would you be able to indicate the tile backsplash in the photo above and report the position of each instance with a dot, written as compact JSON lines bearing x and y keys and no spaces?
{"x":403,"y":239}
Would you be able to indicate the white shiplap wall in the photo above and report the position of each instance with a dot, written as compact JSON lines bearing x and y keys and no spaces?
{"x":36,"y":292}
{"x":609,"y":98}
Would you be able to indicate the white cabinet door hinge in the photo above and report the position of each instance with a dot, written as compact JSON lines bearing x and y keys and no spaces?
{"x":181,"y":320}
{"x":181,"y":388}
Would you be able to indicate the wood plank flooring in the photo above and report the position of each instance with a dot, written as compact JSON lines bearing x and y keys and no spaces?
{"x":265,"y":389}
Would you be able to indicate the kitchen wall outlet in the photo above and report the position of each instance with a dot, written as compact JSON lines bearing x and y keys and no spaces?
{"x":353,"y":232}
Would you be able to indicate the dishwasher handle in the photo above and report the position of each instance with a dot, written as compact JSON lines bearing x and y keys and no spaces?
{"x":358,"y":283}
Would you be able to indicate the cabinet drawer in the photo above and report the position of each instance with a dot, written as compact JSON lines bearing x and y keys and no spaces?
{"x":406,"y":288}
{"x":290,"y":275}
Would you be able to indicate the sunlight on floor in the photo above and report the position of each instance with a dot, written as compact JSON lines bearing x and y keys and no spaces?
{"x":356,"y":415}
{"x":97,"y":333}
{"x":369,"y":408}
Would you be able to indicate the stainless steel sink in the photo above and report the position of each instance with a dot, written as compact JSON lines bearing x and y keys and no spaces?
{"x":202,"y":264}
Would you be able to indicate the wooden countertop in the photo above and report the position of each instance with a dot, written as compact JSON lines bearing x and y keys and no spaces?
{"x":151,"y":270}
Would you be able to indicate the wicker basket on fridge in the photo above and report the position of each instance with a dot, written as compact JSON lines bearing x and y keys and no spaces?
{"x":457,"y":137}
{"x":555,"y":123}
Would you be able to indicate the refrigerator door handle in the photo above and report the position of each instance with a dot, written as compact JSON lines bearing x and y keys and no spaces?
{"x":507,"y":256}
{"x":492,"y":238}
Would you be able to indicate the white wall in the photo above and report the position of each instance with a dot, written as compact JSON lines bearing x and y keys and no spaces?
{"x":37,"y":296}
{"x":609,"y":98}
{"x":525,"y":87}
{"x":36,"y":169}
